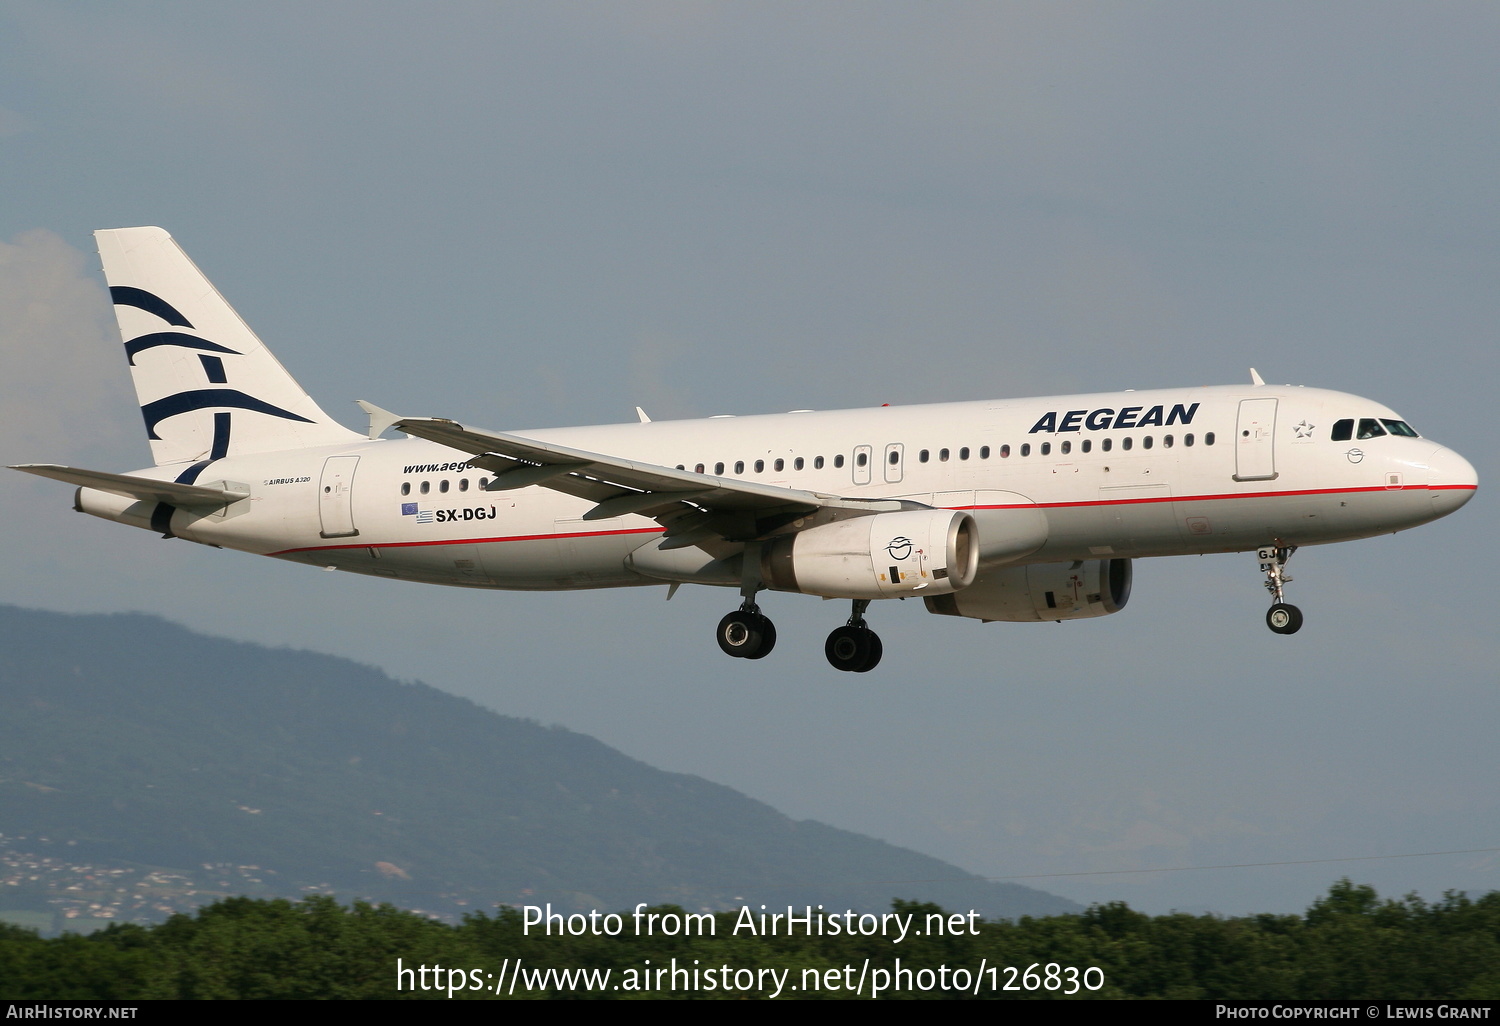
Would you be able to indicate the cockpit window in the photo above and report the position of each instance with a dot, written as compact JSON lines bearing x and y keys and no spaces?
{"x":1399,"y":427}
{"x":1342,"y":431}
{"x":1369,"y":427}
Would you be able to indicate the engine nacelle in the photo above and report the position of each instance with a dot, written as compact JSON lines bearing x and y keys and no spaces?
{"x":885,"y":555}
{"x":1042,"y":591}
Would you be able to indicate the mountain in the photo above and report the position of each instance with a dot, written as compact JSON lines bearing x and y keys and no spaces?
{"x":145,"y":768}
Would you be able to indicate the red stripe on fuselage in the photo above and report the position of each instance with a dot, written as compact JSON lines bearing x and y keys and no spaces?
{"x":470,"y":541}
{"x":1224,"y":495}
{"x":1039,"y":505}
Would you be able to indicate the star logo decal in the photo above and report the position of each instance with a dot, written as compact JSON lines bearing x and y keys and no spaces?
{"x":1304,"y":429}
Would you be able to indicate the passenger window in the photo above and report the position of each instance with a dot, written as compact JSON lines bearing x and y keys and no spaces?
{"x":1126,"y":443}
{"x":922,"y":456}
{"x":484,"y":484}
{"x":838,"y":461}
{"x":463,"y":484}
{"x":1146,"y":442}
{"x":1067,"y":447}
{"x":760,"y":465}
{"x":1046,"y":448}
{"x":405,"y":487}
{"x":739,"y":466}
{"x":779,"y":465}
{"x":963,"y":453}
{"x":894,"y":458}
{"x":681,"y":467}
{"x":1088,"y":445}
{"x":1166,"y":442}
{"x":1187,"y":440}
{"x":797,"y":463}
{"x":984,"y":452}
{"x":1370,"y":428}
{"x":718,"y":468}
{"x":942,"y":455}
{"x":1109,"y":443}
{"x":443,"y":486}
{"x":698,"y":469}
{"x":817,"y":463}
{"x":1005,"y":452}
{"x":861,"y":459}
{"x":1026,"y":449}
{"x":1208,"y":438}
{"x":426,"y":487}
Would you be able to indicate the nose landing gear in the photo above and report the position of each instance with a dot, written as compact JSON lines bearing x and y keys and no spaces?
{"x":1281,"y":617}
{"x":854,"y":647}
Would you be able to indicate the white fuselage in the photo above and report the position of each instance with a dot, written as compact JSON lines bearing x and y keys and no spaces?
{"x":1129,"y":474}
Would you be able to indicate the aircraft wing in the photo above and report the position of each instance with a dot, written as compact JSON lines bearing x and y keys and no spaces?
{"x":145,"y":488}
{"x":695,"y":509}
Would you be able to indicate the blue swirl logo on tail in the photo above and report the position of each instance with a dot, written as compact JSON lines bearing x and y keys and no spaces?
{"x":207,"y":398}
{"x":173,"y":338}
{"x":129,"y":295}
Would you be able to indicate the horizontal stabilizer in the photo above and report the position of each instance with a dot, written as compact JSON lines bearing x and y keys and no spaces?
{"x":143,"y":488}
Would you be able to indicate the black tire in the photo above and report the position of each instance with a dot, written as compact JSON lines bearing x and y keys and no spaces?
{"x":742,"y":634}
{"x":848,"y":648}
{"x":876,"y":651}
{"x":767,"y":639}
{"x":1284,"y":619}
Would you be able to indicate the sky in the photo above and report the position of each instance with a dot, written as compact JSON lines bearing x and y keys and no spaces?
{"x":524,"y":215}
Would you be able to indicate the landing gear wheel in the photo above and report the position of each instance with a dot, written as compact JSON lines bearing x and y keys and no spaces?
{"x":855,"y":649}
{"x":767,"y":638}
{"x":1284,"y":619}
{"x":746,"y":634}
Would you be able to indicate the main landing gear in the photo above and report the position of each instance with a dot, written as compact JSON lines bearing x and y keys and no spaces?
{"x":747,"y":633}
{"x":1281,"y":617}
{"x":854,"y":647}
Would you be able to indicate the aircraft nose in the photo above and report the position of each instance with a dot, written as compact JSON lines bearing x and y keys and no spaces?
{"x":1451,"y":480}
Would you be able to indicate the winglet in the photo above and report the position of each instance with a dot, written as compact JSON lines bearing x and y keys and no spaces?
{"x":1255,"y":378}
{"x":379,"y":419}
{"x":642,"y":414}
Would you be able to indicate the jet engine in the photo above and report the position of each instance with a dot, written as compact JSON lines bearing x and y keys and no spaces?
{"x":884,"y":555}
{"x":1042,"y":591}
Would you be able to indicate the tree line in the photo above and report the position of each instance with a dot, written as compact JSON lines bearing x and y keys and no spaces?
{"x":1350,"y":944}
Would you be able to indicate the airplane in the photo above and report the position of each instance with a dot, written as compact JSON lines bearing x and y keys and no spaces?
{"x":1001,"y":510}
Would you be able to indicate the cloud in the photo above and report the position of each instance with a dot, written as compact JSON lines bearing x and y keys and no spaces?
{"x":64,"y":388}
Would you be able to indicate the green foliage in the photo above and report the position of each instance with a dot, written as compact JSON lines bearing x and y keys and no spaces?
{"x":1349,"y":945}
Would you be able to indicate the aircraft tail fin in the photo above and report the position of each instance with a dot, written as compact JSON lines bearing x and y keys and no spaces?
{"x":208,"y":387}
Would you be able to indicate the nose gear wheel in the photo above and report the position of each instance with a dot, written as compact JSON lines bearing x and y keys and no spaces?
{"x":1284,"y":619}
{"x":1281,"y":617}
